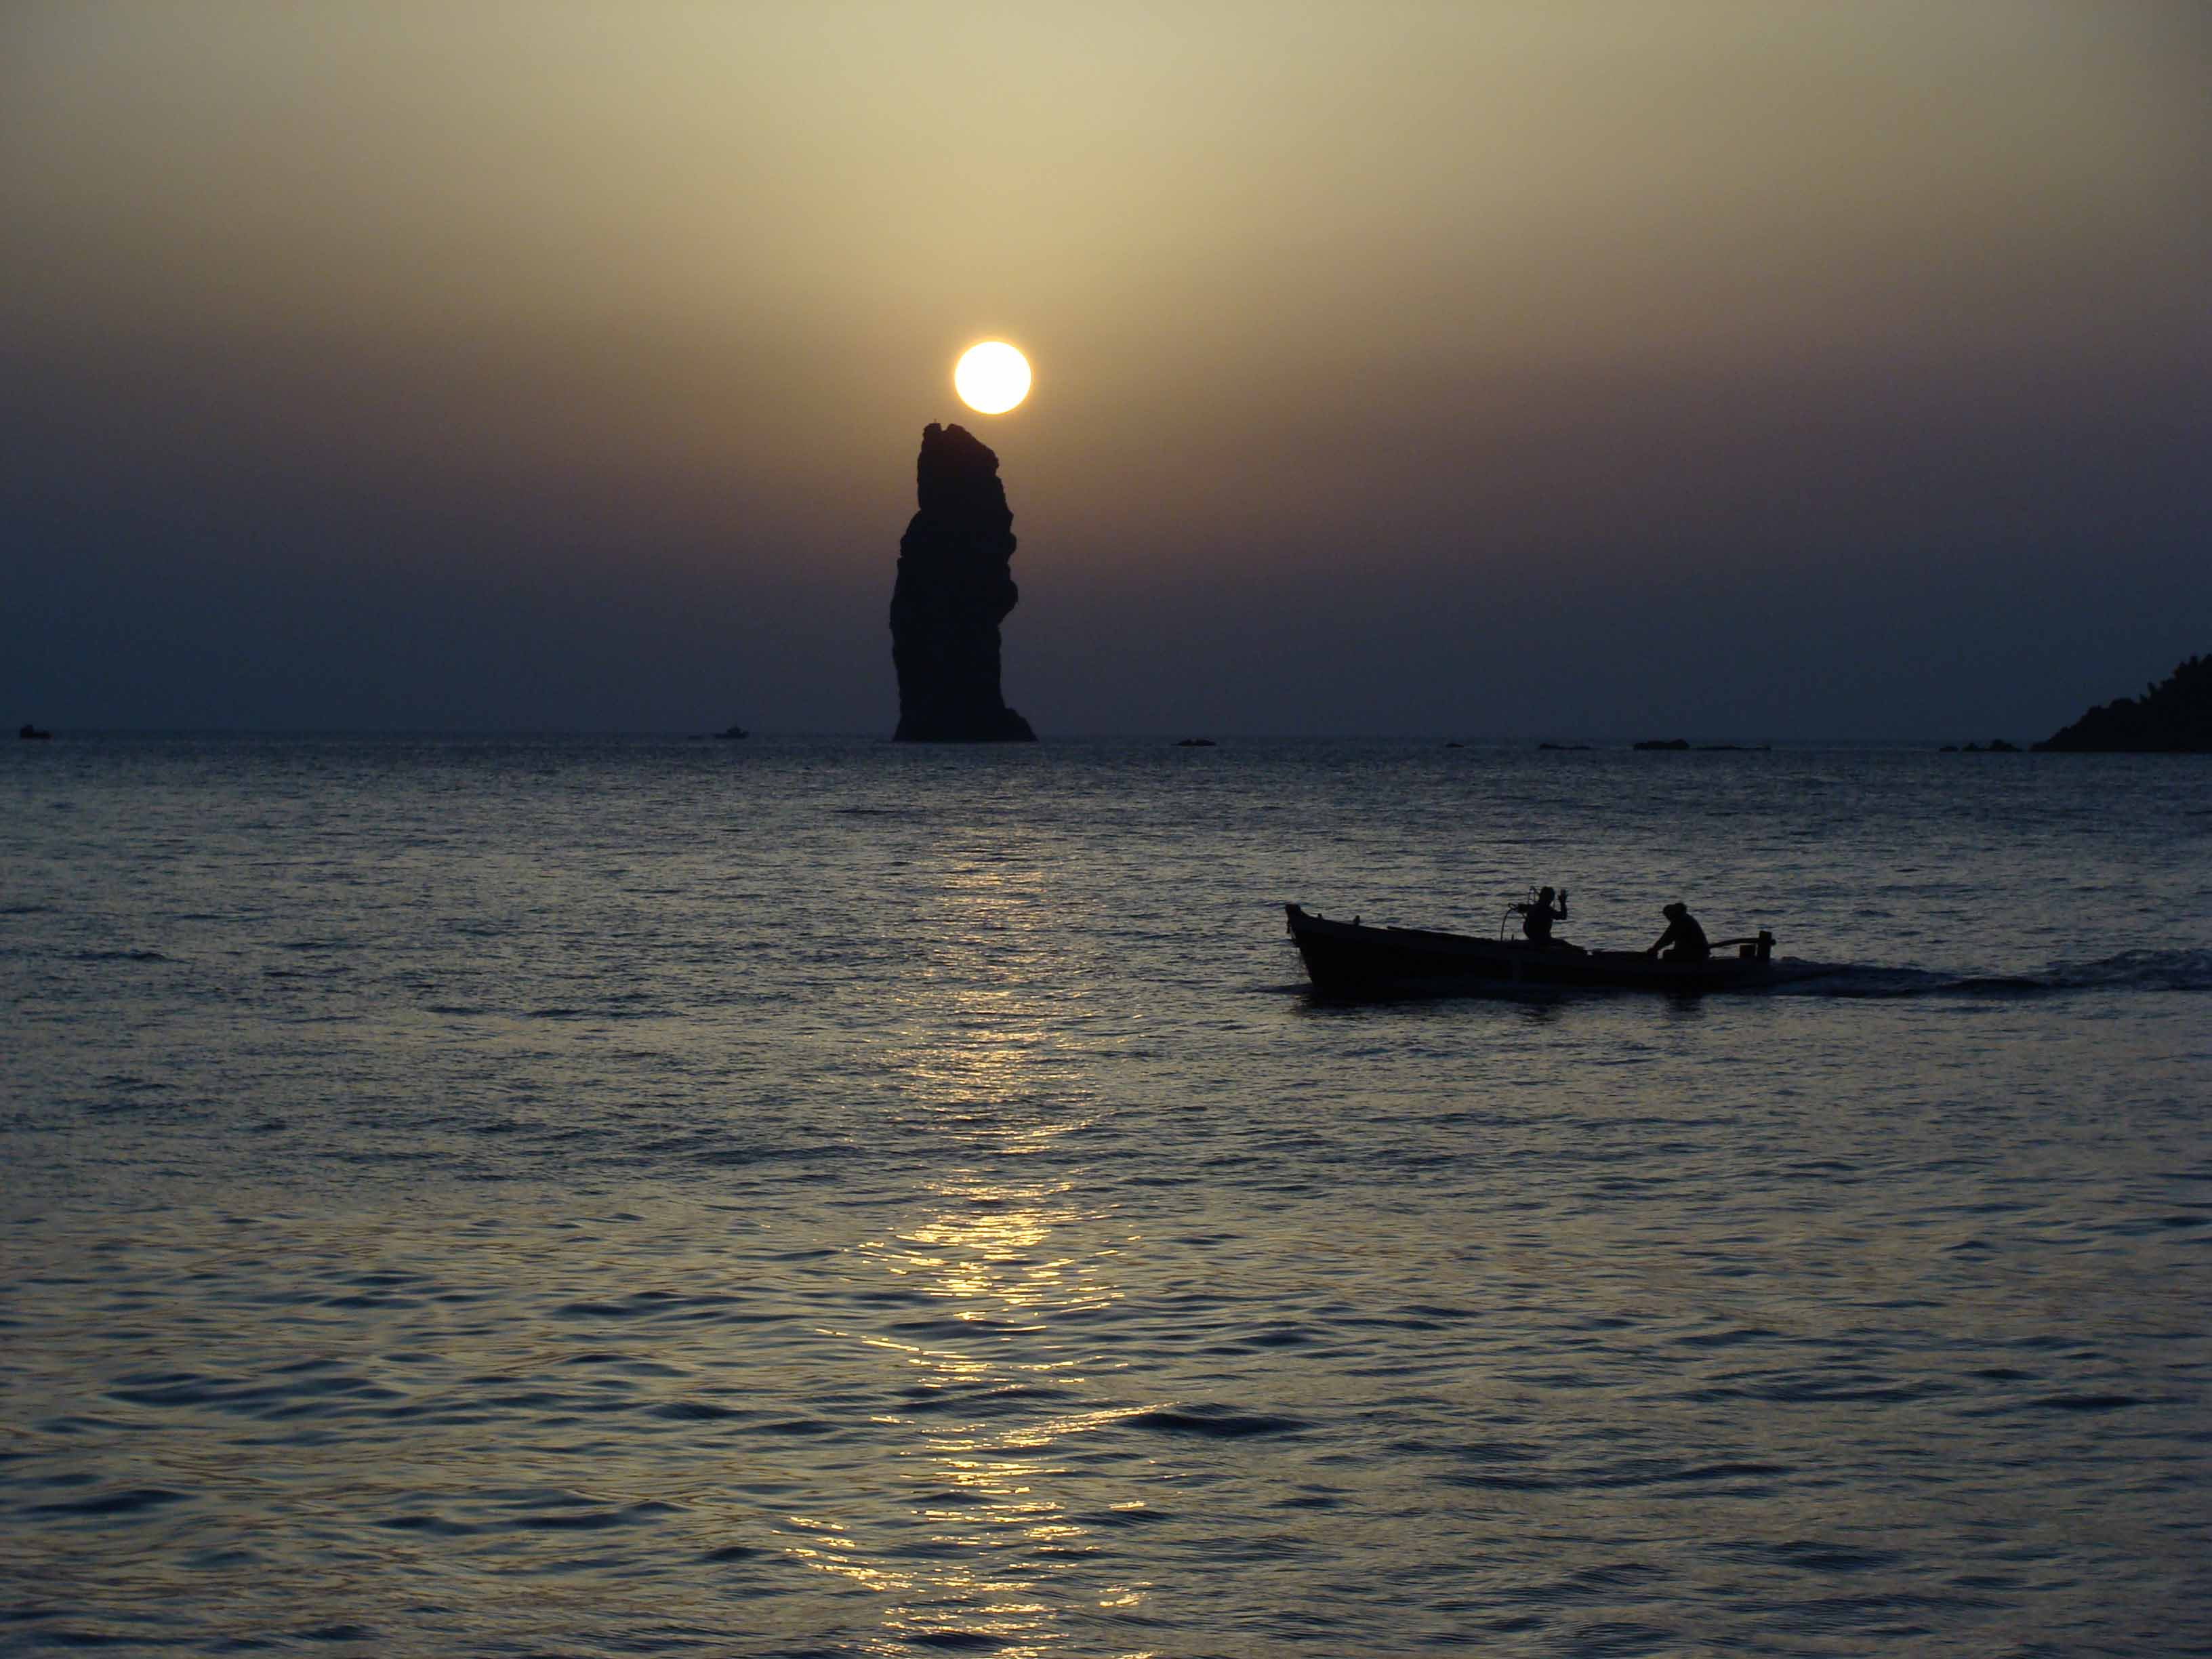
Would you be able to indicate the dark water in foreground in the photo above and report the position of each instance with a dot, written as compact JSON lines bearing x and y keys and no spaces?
{"x":596,"y":1197}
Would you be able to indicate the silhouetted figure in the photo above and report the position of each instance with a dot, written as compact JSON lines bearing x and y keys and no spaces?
{"x":1537,"y":919}
{"x":954,"y":588}
{"x":1684,"y":940}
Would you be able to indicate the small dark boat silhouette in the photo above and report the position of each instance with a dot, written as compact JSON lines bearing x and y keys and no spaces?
{"x":1195,"y":743}
{"x":1348,"y":959}
{"x":733,"y":732}
{"x":28,"y":732}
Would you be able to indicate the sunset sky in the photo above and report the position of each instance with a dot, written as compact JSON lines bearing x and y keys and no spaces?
{"x":1574,"y":370}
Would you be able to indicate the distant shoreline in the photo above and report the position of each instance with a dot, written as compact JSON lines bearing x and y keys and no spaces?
{"x":1226,"y":739}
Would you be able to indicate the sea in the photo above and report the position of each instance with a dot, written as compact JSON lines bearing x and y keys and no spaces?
{"x":804,"y":1196}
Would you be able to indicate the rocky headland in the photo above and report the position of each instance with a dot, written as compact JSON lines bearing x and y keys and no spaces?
{"x":2174,"y":717}
{"x":955,"y":586}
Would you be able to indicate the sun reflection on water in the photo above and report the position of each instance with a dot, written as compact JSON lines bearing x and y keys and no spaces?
{"x":977,"y":1311}
{"x":988,"y":1271}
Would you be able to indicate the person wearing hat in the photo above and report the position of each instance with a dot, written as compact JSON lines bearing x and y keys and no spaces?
{"x":1683,"y":933}
{"x":1537,"y":919}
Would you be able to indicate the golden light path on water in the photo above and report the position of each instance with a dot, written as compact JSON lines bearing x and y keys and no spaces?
{"x":984,"y":1252}
{"x":994,"y":1263}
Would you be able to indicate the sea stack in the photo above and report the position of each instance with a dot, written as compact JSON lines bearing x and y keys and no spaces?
{"x":954,"y":589}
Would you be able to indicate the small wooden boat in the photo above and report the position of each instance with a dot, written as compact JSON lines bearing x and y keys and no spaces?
{"x":1348,"y":959}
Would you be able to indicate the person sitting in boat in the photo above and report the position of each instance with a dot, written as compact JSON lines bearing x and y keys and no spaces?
{"x":1684,"y":940}
{"x":1537,"y":919}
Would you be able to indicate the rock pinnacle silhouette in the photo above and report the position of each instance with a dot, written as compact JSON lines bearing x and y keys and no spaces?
{"x":954,"y":589}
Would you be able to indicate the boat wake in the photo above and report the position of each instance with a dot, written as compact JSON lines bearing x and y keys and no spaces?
{"x":2131,"y":970}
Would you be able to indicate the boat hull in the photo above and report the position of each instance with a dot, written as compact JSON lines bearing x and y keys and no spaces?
{"x":1348,"y":959}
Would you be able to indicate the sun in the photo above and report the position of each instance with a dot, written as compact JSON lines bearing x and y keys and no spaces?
{"x":992,"y":378}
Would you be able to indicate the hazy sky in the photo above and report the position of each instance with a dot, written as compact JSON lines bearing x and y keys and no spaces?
{"x":1609,"y":369}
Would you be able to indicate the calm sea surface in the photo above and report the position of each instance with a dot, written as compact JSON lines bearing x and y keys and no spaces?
{"x":590,"y":1196}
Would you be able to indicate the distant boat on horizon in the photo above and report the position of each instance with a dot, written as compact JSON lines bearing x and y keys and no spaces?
{"x":29,"y":732}
{"x":732,"y":732}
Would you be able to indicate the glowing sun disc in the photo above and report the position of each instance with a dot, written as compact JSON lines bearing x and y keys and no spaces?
{"x":992,"y":378}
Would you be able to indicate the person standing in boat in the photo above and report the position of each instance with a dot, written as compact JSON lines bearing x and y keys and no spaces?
{"x":1537,"y":919}
{"x":1683,"y":934}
